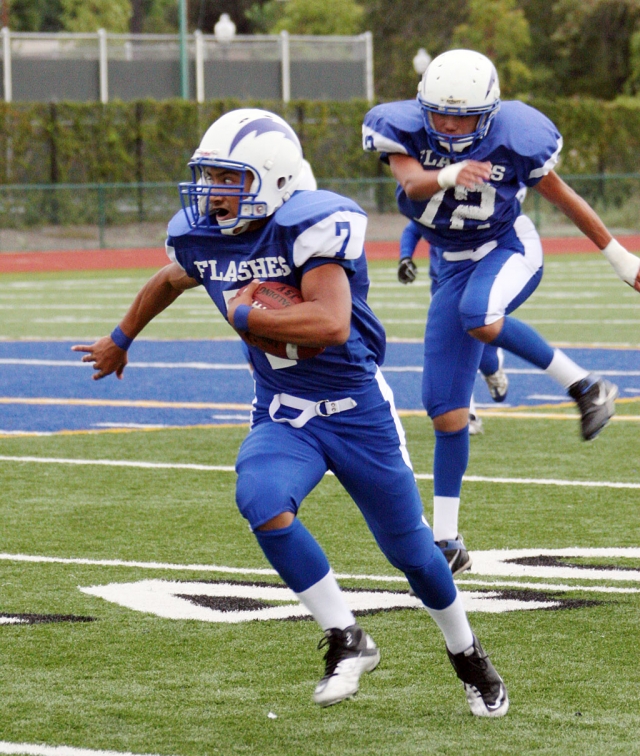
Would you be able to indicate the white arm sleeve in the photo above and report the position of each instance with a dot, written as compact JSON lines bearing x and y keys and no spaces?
{"x":624,"y":263}
{"x":448,"y":176}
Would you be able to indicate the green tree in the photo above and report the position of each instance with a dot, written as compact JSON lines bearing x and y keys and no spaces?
{"x":399,"y":30}
{"x":35,"y":15}
{"x":500,"y":30}
{"x":309,"y":16}
{"x":90,"y":15}
{"x":594,"y":40}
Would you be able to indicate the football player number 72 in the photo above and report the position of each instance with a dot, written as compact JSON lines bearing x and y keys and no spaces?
{"x":481,"y":212}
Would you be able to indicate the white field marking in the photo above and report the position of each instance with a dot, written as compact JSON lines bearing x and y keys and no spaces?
{"x":71,"y":283}
{"x":616,"y":345}
{"x":12,"y":621}
{"x":146,"y":565}
{"x":582,"y":321}
{"x":380,"y":304}
{"x":498,"y":563}
{"x":136,"y":426}
{"x":28,"y":749}
{"x":399,"y":321}
{"x":548,"y":397}
{"x":147,"y":403}
{"x":558,"y":306}
{"x":542,"y":586}
{"x":243,"y":366}
{"x":121,"y":463}
{"x":223,"y":468}
{"x":160,"y":365}
{"x":214,"y":319}
{"x":532,"y":321}
{"x":516,"y":415}
{"x":487,"y":563}
{"x":43,"y":306}
{"x":169,"y":600}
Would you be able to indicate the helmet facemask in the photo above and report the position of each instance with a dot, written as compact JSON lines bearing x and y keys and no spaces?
{"x":253,"y":143}
{"x":459,"y":83}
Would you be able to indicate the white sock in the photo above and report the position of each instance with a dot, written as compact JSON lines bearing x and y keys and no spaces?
{"x":325,"y":601}
{"x":565,"y":370}
{"x":454,"y":625}
{"x":445,"y":517}
{"x":472,"y":406}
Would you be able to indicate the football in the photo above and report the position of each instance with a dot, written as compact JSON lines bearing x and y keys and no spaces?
{"x":272,"y":295}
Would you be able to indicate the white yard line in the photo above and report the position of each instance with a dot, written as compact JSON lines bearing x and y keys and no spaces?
{"x":243,"y":366}
{"x":221,"y":569}
{"x":223,"y":468}
{"x":30,"y":749}
{"x":161,"y":365}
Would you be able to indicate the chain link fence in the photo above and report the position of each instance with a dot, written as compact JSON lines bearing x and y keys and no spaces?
{"x":111,"y":215}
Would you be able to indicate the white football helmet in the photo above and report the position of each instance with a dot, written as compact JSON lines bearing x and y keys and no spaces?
{"x":251,"y":141}
{"x":460,"y":83}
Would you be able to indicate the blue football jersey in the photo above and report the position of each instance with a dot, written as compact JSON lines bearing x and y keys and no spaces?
{"x":522,"y":145}
{"x":313,"y":228}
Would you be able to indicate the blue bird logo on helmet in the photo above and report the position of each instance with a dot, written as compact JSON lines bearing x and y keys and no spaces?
{"x":250,"y":142}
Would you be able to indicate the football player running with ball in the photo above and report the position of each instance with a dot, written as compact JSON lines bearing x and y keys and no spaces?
{"x":245,"y":218}
{"x":460,"y":157}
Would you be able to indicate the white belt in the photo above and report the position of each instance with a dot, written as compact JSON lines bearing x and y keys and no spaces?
{"x":471,"y":254}
{"x":323,"y":408}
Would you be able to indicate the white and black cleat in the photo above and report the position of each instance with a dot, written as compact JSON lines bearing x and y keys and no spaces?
{"x":350,"y":653}
{"x":475,"y":425}
{"x":456,"y":555}
{"x":595,"y":398}
{"x":498,"y":382}
{"x":483,"y":686}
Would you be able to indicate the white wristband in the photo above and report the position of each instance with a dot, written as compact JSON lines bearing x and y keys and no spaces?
{"x":624,"y":263}
{"x":448,"y":176}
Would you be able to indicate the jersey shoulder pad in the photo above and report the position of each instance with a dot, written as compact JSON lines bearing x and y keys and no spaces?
{"x":322,"y":224}
{"x":178,"y":225}
{"x":390,"y":127}
{"x":532,"y":138}
{"x":525,"y":130}
{"x":309,"y":206}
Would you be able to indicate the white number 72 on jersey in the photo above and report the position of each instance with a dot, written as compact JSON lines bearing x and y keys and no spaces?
{"x":481,"y":212}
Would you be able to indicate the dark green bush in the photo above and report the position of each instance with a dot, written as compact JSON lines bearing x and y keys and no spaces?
{"x":151,"y":141}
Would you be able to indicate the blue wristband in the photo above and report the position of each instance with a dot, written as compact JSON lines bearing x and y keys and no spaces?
{"x":241,"y":317}
{"x":120,"y":339}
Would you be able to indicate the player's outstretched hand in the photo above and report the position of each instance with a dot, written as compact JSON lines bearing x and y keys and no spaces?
{"x":243,"y":297}
{"x":407,"y":270}
{"x":106,"y":357}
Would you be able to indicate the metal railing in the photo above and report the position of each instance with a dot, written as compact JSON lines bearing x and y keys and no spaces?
{"x":103,"y":66}
{"x":65,"y":216}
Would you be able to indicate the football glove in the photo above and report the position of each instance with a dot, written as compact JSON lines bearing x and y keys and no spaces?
{"x":407,"y":270}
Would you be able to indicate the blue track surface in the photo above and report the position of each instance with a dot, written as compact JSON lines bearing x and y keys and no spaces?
{"x":214,"y":373}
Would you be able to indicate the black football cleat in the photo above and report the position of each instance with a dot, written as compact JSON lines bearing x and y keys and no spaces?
{"x":595,"y":398}
{"x":350,"y":653}
{"x":498,"y":382}
{"x":483,"y":686}
{"x":456,"y":555}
